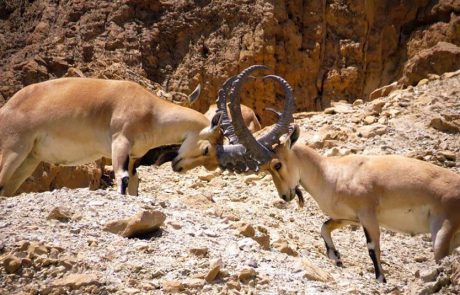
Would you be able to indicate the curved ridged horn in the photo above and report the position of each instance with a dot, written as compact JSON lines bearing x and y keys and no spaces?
{"x":286,"y":118}
{"x":256,"y":151}
{"x":226,"y":125}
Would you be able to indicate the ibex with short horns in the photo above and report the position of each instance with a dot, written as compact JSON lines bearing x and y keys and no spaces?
{"x":396,"y":192}
{"x":72,"y":121}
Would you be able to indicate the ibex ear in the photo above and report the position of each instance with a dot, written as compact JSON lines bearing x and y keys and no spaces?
{"x":195,"y":94}
{"x":216,"y":120}
{"x":295,"y":134}
{"x":289,"y":139}
{"x":213,"y":131}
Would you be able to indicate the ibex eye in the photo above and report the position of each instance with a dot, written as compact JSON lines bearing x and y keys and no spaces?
{"x":277,"y":166}
{"x":205,"y":152}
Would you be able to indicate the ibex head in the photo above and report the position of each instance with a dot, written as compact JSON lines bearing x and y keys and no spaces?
{"x":284,"y":167}
{"x":244,"y":153}
{"x":200,"y":149}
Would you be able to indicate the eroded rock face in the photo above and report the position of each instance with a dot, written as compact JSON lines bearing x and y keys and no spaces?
{"x":327,"y":50}
{"x":48,"y":177}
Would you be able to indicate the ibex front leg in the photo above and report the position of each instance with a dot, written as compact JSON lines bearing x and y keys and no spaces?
{"x":326,"y":230}
{"x":120,"y":161}
{"x":133,"y":185}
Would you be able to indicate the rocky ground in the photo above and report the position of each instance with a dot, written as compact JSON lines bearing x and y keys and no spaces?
{"x":231,"y":234}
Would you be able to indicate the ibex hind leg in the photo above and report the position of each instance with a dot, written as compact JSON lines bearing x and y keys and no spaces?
{"x":443,"y":235}
{"x":371,"y":228}
{"x":20,"y":175}
{"x":11,"y":160}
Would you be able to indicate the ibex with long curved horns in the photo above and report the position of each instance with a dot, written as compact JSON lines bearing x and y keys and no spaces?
{"x":234,"y":155}
{"x":73,"y":121}
{"x":400,"y":193}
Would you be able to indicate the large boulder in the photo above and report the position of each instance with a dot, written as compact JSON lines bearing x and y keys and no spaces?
{"x":444,"y":57}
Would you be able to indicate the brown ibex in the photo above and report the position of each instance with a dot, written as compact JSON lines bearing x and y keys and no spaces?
{"x":396,"y":192}
{"x":72,"y":121}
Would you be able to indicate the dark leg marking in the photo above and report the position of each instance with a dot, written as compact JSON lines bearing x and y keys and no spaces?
{"x":368,"y":238}
{"x":124,"y":184}
{"x":373,"y":257}
{"x":332,"y":250}
{"x":125,"y":179}
{"x":339,"y":263}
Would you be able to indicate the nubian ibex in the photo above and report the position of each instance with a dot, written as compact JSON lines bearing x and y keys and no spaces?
{"x":395,"y":192}
{"x":72,"y":121}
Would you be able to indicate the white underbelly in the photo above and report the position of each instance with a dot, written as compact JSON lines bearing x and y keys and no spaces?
{"x":409,"y":219}
{"x":70,"y":151}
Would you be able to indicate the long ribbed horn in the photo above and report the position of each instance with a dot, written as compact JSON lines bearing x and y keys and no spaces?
{"x":226,"y":125}
{"x":260,"y":149}
{"x":286,"y":118}
{"x":255,"y":150}
{"x":231,"y":157}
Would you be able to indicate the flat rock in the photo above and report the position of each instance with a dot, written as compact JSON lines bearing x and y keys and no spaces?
{"x":246,"y":229}
{"x":443,"y":125}
{"x":173,"y":286}
{"x":283,"y":247}
{"x":372,"y":130}
{"x":199,"y":251}
{"x":214,"y":269}
{"x":314,"y":273}
{"x":247,"y":274}
{"x":76,"y":281}
{"x":263,"y":239}
{"x":62,"y":214}
{"x":449,"y":155}
{"x":384,"y":91}
{"x":370,"y":120}
{"x":141,"y":223}
{"x":342,"y":107}
{"x":429,"y":275}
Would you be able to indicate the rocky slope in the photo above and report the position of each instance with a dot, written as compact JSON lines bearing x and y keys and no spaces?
{"x":228,"y":233}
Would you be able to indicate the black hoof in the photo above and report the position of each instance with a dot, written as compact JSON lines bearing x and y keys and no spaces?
{"x":382,"y":279}
{"x":124,"y":184}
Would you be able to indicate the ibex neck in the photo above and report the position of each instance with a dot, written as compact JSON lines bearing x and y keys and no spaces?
{"x":311,"y":168}
{"x":175,"y":123}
